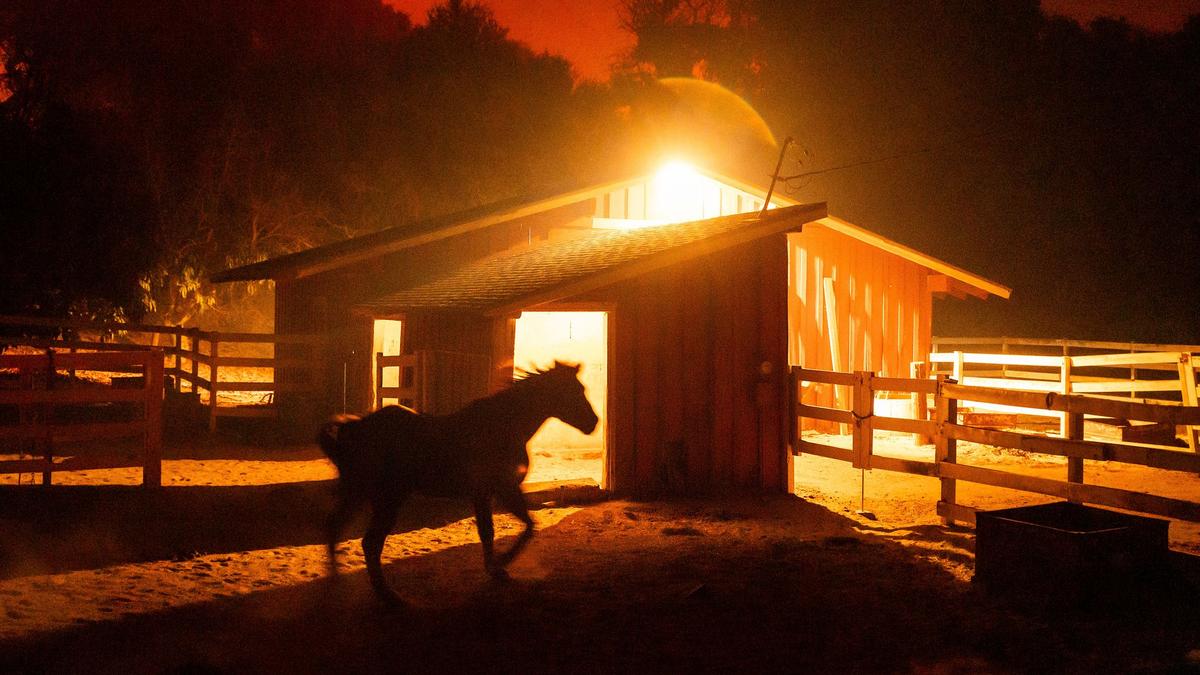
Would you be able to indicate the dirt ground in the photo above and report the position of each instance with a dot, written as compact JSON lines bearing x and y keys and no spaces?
{"x":222,"y":571}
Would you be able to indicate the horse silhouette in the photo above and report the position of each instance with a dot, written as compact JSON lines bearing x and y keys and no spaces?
{"x":478,"y":453}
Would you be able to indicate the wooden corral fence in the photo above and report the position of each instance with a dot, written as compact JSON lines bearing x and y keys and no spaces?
{"x":193,"y":359}
{"x":1135,"y":371}
{"x":43,"y":409}
{"x":946,"y":429}
{"x":431,"y":381}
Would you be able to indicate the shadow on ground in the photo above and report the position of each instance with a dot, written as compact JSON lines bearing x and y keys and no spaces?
{"x":74,"y":527}
{"x":752,"y":584}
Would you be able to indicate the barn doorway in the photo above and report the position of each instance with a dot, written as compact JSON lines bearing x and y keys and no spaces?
{"x":558,"y":451}
{"x":386,"y":341}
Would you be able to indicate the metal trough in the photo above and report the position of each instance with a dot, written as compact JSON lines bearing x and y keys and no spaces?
{"x":1068,"y":554}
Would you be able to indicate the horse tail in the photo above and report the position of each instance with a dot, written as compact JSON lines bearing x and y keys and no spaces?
{"x":327,"y":438}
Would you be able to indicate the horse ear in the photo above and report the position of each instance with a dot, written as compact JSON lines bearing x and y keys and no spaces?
{"x":573,"y":367}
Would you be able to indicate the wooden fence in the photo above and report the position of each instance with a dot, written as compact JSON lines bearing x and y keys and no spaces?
{"x":193,"y":359}
{"x":1142,"y":372}
{"x":946,"y":429}
{"x":45,"y":411}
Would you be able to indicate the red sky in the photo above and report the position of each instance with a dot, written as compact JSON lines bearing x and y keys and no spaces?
{"x":587,"y":31}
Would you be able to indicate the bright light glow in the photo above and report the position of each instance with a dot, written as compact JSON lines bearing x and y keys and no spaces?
{"x":677,"y":193}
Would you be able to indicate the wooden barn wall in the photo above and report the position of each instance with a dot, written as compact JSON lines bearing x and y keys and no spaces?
{"x":882,"y":309}
{"x":697,"y":396}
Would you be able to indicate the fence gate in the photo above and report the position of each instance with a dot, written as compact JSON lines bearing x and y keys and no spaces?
{"x":435,"y":382}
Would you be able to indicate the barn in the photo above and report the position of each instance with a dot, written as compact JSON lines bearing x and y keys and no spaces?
{"x":683,"y":297}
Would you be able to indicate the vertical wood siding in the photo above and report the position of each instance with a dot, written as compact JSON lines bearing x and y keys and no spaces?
{"x":882,"y":303}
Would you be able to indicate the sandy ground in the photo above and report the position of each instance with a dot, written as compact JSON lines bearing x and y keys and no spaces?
{"x":222,"y":571}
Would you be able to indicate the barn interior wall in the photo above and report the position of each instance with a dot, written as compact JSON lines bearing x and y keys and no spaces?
{"x":881,"y":309}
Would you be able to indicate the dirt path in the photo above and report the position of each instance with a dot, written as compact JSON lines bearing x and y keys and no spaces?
{"x":222,"y":572}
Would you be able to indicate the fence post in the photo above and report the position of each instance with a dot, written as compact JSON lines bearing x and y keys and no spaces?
{"x":862,"y":408}
{"x":214,"y":351}
{"x":177,"y":364}
{"x":1074,"y":464}
{"x":45,"y":413}
{"x":378,"y":380}
{"x":1187,"y":386}
{"x":1064,"y":380}
{"x":152,"y":412}
{"x":957,"y":375}
{"x":194,"y":345}
{"x":946,"y":448}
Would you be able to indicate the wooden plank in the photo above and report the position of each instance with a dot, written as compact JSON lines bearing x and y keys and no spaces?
{"x":920,"y":386}
{"x":774,"y":414}
{"x":1187,"y":390}
{"x":264,"y":362}
{"x":698,"y":337}
{"x":646,"y":350}
{"x":1015,"y":385}
{"x":246,"y":411}
{"x":1110,"y":386}
{"x":1103,"y":407}
{"x":622,"y":397}
{"x":746,"y":363}
{"x":1091,"y":494}
{"x":971,"y":358}
{"x":904,"y":425}
{"x":672,"y":415}
{"x":823,"y":450}
{"x":823,"y":413}
{"x":833,"y":331}
{"x":1128,"y":453}
{"x":1086,"y":344}
{"x":724,"y":379}
{"x":956,"y":513}
{"x":825,"y":376}
{"x":915,"y":467}
{"x":68,"y":396}
{"x":1137,"y":359}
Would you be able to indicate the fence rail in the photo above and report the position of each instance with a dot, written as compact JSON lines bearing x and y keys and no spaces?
{"x":193,"y":362}
{"x":946,"y":429}
{"x":37,"y":396}
{"x":1146,"y":373}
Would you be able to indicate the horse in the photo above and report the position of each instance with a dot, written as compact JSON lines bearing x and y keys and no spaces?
{"x":478,"y":453}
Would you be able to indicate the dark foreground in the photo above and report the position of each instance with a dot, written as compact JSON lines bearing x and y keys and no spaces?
{"x":748,"y":585}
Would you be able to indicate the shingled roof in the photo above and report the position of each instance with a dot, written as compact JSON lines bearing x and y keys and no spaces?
{"x":559,"y":270}
{"x":392,"y":239}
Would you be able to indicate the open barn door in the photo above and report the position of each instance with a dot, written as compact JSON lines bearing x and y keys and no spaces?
{"x":558,"y":451}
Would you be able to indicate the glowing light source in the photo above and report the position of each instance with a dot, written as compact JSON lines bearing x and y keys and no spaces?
{"x":677,"y":193}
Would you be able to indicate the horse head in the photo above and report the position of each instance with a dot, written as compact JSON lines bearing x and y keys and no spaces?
{"x":565,"y":397}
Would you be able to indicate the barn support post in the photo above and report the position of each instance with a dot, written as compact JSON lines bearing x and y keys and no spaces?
{"x":946,"y":449}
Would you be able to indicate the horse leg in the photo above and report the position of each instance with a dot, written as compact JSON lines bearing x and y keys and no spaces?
{"x":514,"y":501}
{"x":487,"y":533}
{"x":335,"y":524}
{"x":383,"y":517}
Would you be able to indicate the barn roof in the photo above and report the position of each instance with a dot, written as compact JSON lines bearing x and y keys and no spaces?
{"x":952,"y":279}
{"x":392,"y":239}
{"x":594,"y":259}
